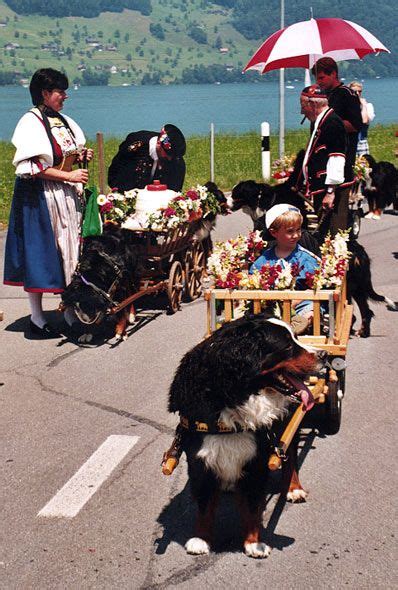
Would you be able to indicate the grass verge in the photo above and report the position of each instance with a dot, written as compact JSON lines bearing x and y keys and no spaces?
{"x":237,"y":157}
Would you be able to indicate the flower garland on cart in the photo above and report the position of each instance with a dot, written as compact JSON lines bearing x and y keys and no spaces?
{"x":228,"y":265}
{"x":195,"y":204}
{"x":334,"y":263}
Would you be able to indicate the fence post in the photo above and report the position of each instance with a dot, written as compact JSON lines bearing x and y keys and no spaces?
{"x":212,"y":152}
{"x":265,"y":151}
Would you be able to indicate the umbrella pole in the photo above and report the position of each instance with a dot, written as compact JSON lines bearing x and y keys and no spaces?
{"x":282,"y":95}
{"x":281,"y":113}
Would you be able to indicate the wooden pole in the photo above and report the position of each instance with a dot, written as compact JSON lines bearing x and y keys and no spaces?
{"x":101,"y":162}
{"x":275,"y":462}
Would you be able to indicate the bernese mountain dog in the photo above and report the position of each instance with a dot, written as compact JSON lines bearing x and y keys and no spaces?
{"x":234,"y":393}
{"x":108,"y":272}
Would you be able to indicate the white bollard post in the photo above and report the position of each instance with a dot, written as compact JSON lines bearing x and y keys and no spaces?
{"x":265,"y":151}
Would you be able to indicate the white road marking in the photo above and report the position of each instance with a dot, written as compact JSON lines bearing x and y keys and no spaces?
{"x":70,"y":499}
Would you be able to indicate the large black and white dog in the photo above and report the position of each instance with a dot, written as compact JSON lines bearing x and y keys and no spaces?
{"x":244,"y":379}
{"x":381,"y":186}
{"x":107,"y":273}
{"x":256,"y":198}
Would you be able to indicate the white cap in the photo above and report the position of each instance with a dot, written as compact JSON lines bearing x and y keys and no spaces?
{"x":278,"y":210}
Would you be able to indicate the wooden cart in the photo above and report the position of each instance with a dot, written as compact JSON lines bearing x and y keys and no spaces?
{"x":174,"y":261}
{"x":328,"y":387}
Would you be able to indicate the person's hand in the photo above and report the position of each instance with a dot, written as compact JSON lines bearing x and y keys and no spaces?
{"x":85,"y":155}
{"x":89,"y":154}
{"x":78,"y":175}
{"x":328,"y":201}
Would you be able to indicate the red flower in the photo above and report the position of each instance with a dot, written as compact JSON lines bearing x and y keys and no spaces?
{"x":106,"y":207}
{"x":281,"y":174}
{"x":193,"y":195}
{"x":309,"y":279}
{"x":169,"y":212}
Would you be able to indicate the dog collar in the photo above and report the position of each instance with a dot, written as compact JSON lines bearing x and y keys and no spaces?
{"x":216,"y":427}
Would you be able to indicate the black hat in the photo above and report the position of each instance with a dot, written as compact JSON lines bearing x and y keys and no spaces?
{"x":172,"y":141}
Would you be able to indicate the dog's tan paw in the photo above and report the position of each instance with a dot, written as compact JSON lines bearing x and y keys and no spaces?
{"x":197,"y":546}
{"x":257,"y":550}
{"x":131,"y":319}
{"x":297,"y":495}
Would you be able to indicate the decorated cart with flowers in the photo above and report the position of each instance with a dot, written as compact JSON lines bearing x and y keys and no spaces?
{"x":232,"y":290}
{"x":168,"y":232}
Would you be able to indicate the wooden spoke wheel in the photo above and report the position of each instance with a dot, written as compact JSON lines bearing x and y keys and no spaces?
{"x":195,"y":261}
{"x":332,"y":408}
{"x":175,"y":286}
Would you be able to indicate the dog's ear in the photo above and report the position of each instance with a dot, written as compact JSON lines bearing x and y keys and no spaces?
{"x":266,"y":196}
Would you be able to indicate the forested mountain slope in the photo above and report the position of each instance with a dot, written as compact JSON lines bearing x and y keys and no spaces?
{"x":169,"y":41}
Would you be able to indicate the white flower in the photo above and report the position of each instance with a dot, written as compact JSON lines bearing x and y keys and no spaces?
{"x":118,"y":212}
{"x":101,"y":200}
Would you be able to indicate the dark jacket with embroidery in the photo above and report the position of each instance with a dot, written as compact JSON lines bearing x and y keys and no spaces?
{"x":132,"y":165}
{"x":330,"y":139}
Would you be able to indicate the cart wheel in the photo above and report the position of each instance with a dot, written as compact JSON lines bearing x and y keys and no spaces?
{"x":175,"y":286}
{"x":332,"y":408}
{"x":194,"y":267}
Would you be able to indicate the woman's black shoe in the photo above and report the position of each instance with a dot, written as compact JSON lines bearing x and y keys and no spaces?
{"x":46,"y":332}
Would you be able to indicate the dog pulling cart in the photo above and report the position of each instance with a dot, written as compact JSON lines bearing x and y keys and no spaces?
{"x":327,"y":387}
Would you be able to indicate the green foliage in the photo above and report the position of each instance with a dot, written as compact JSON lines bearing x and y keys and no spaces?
{"x":157,"y":31}
{"x":89,"y":8}
{"x":237,"y":157}
{"x":198,"y":34}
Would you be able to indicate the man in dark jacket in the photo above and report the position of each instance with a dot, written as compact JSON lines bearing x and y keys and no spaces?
{"x":145,"y":156}
{"x":345,"y":103}
{"x":322,"y":175}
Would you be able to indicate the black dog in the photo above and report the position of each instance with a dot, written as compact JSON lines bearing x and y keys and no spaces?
{"x":380,"y":189}
{"x":360,"y":288}
{"x":233,"y":392}
{"x":107,"y":273}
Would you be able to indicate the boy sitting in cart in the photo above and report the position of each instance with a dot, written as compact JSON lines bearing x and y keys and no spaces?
{"x":284,"y":223}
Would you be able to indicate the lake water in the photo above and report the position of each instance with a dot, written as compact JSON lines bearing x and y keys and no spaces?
{"x":231,"y":107}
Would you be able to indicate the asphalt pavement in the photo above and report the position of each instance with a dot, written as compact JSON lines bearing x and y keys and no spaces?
{"x":63,"y":406}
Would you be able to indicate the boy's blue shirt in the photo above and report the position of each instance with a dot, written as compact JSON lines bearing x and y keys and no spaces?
{"x":307,"y":261}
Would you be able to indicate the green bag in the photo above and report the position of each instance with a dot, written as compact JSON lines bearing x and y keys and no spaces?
{"x":92,"y":223}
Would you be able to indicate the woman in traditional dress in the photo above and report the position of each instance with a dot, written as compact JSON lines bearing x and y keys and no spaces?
{"x":43,"y":237}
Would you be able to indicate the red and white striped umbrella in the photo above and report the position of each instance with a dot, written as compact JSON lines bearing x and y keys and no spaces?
{"x":302,"y":44}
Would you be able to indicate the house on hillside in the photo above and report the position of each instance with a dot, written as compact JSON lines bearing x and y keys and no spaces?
{"x":9,"y":46}
{"x":223,"y":50}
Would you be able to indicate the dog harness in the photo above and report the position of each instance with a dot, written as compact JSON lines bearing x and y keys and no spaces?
{"x":107,"y":295}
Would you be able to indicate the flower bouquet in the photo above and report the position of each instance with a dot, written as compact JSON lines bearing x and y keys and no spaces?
{"x":282,"y":168}
{"x":229,"y":261}
{"x":361,"y":168}
{"x":195,"y":204}
{"x":334,"y":263}
{"x":117,"y":207}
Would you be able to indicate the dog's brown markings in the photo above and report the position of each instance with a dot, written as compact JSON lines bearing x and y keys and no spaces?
{"x":304,"y":363}
{"x":251,"y":522}
{"x":204,"y":526}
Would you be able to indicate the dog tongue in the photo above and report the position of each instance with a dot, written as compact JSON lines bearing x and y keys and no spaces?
{"x":303,"y":393}
{"x":307,"y":399}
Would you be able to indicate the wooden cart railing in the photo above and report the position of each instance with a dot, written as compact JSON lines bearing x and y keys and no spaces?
{"x":340,"y":312}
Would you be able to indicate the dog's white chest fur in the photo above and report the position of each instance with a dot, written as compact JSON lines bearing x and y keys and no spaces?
{"x":227,"y":454}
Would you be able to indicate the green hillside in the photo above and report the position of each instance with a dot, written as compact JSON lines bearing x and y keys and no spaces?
{"x":167,"y":41}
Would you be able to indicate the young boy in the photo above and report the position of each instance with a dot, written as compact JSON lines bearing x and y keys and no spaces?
{"x":284,"y":224}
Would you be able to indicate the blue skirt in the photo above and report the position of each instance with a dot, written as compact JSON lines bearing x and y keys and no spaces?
{"x":31,"y":256}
